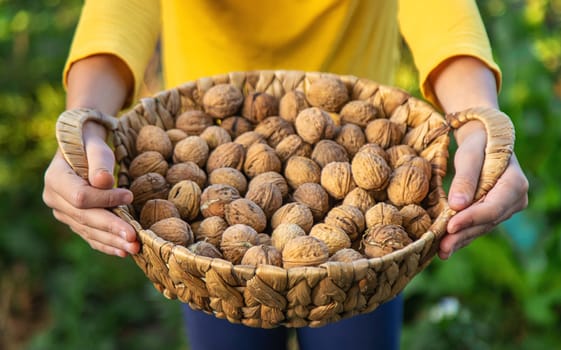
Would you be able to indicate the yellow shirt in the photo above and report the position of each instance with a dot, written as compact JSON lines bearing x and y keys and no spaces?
{"x":201,"y":38}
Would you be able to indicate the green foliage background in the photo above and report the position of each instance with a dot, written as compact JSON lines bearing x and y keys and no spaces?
{"x":502,"y":292}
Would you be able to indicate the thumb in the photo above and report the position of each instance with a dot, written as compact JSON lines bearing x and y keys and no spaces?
{"x":101,"y":160}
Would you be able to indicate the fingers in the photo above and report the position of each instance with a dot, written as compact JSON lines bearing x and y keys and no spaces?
{"x":101,"y":160}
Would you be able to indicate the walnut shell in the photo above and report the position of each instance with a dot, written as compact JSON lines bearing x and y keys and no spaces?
{"x":153,"y":138}
{"x":264,"y":238}
{"x":155,"y":210}
{"x":328,"y":93}
{"x":205,"y":249}
{"x":229,"y":176}
{"x":186,"y":196}
{"x":304,"y":251}
{"x":375,"y":149}
{"x":383,"y":214}
{"x":270,"y":177}
{"x":314,"y":197}
{"x":348,"y":218}
{"x":327,"y":151}
{"x":337,"y":179}
{"x":416,"y":220}
{"x":148,"y":186}
{"x":173,"y":230}
{"x":360,"y":198}
{"x":299,"y":170}
{"x":358,"y":112}
{"x":351,"y":137}
{"x":313,"y":124}
{"x":284,"y":233}
{"x":408,"y":185}
{"x":346,"y":255}
{"x":186,"y":171}
{"x":292,"y":103}
{"x":236,"y":240}
{"x":267,"y":196}
{"x":229,"y":154}
{"x":222,"y":100}
{"x":259,"y":105}
{"x":293,"y":145}
{"x":236,"y":126}
{"x":245,"y":211}
{"x":293,"y":213}
{"x":249,"y":138}
{"x":215,"y":136}
{"x":380,"y":240}
{"x":396,"y":152}
{"x":384,"y":132}
{"x":274,"y":130}
{"x":334,"y":237}
{"x":261,"y":158}
{"x":215,"y":197}
{"x":262,"y":255}
{"x":193,"y":122}
{"x":416,"y":161}
{"x":191,"y":149}
{"x":370,"y":171}
{"x":210,"y":230}
{"x":176,"y":135}
{"x":148,"y":162}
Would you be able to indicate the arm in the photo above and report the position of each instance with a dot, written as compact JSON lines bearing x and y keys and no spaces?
{"x":460,"y":83}
{"x":100,"y":82}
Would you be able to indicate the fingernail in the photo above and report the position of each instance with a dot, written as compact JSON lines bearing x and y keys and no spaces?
{"x":123,"y":234}
{"x":457,"y":200}
{"x":127,"y":197}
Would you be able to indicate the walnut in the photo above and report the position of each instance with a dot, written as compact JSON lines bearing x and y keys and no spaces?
{"x":327,"y":151}
{"x":173,"y":230}
{"x":416,"y":161}
{"x":148,"y":162}
{"x":153,"y":138}
{"x":148,"y":186}
{"x":176,"y":135}
{"x":186,"y":171}
{"x":191,"y":149}
{"x":348,"y":218}
{"x":360,"y":198}
{"x":205,"y":249}
{"x":259,"y":105}
{"x":229,"y":154}
{"x":299,"y":170}
{"x":304,"y":251}
{"x":270,"y":177}
{"x":261,"y":158}
{"x":193,"y":122}
{"x":210,"y":230}
{"x":384,"y":132}
{"x":416,"y":220}
{"x":358,"y":113}
{"x":222,"y":100}
{"x":245,"y":211}
{"x":334,"y":237}
{"x":215,"y":197}
{"x":292,"y":103}
{"x":293,"y":145}
{"x":264,"y":238}
{"x":337,"y":179}
{"x":215,"y":136}
{"x":155,"y":210}
{"x":382,"y":214}
{"x":186,"y":195}
{"x":262,"y":255}
{"x":236,"y":240}
{"x":293,"y":213}
{"x":395,"y":153}
{"x":274,"y":130}
{"x":313,"y":124}
{"x":371,"y":172}
{"x":284,"y":233}
{"x":408,"y":185}
{"x":267,"y":196}
{"x":346,"y":255}
{"x":351,"y":137}
{"x":249,"y":138}
{"x":380,"y":240}
{"x":229,"y":176}
{"x":314,"y":197}
{"x":236,"y":126}
{"x":373,"y":148}
{"x":328,"y":93}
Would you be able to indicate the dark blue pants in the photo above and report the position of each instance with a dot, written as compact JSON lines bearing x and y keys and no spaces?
{"x":378,"y":330}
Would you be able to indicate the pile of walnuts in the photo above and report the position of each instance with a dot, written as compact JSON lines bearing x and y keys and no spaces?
{"x":297,"y":181}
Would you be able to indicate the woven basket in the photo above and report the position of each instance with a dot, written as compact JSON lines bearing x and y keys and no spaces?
{"x":268,"y":296}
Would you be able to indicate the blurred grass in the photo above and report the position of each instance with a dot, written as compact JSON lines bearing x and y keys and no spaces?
{"x":503,"y":292}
